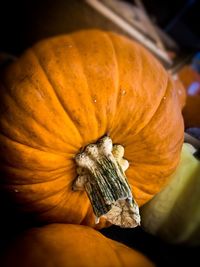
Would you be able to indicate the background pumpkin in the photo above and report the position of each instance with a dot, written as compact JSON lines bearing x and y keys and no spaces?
{"x":65,"y":93}
{"x":63,"y":245}
{"x":190,"y":76}
{"x":191,"y":111}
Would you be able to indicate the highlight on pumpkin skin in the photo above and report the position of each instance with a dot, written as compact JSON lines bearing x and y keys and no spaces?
{"x":179,"y":88}
{"x":67,"y":245}
{"x":101,"y":168}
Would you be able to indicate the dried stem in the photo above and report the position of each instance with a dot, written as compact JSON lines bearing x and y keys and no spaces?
{"x":101,"y":170}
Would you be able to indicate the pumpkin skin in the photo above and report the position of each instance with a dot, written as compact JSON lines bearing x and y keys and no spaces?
{"x":181,"y":92}
{"x":65,"y":93}
{"x":63,"y":245}
{"x":191,"y":108}
{"x":191,"y":112}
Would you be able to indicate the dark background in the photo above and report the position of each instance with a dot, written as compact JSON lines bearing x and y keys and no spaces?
{"x":24,"y":22}
{"x":159,"y":251}
{"x":178,"y":18}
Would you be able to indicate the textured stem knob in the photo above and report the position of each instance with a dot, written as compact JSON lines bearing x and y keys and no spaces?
{"x":100,"y":171}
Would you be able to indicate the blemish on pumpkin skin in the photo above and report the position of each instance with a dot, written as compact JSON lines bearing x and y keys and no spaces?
{"x":40,"y":95}
{"x":123,"y":92}
{"x":23,"y":78}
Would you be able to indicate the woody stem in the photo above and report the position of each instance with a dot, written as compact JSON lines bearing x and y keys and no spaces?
{"x":102,"y":176}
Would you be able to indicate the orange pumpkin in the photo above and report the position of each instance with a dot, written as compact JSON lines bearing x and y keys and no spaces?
{"x":191,"y":108}
{"x":181,"y":91}
{"x":67,"y":92}
{"x":191,"y":111}
{"x":60,"y":245}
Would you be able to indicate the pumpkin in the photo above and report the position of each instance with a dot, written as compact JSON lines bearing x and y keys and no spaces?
{"x":90,"y":103}
{"x":63,"y":245}
{"x":181,"y":91}
{"x":188,"y":76}
{"x":191,"y":111}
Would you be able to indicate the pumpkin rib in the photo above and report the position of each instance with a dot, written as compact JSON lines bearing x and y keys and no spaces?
{"x":42,"y":171}
{"x":140,"y":196}
{"x":156,"y":111}
{"x":53,"y":86}
{"x":84,"y":73}
{"x":140,"y":190}
{"x":118,"y":81}
{"x":31,"y":147}
{"x":140,"y":60}
{"x":49,"y":196}
{"x":177,"y":145}
{"x":35,"y":213}
{"x":65,"y":167}
{"x":140,"y":187}
{"x":23,"y":144}
{"x":52,"y":193}
{"x":160,"y":102}
{"x":137,"y":163}
{"x":148,"y":191}
{"x":12,"y":98}
{"x":112,"y":38}
{"x":60,"y":176}
{"x":103,"y":108}
{"x":52,"y":178}
{"x":48,"y":149}
{"x":62,"y":199}
{"x":112,"y":44}
{"x":35,"y":203}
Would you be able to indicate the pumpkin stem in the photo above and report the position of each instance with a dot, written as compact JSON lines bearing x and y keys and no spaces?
{"x":100,"y":171}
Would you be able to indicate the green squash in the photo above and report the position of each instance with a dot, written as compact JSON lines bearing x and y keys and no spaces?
{"x":174,"y":213}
